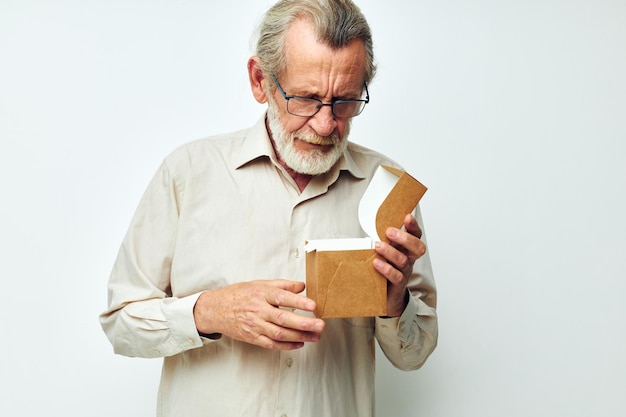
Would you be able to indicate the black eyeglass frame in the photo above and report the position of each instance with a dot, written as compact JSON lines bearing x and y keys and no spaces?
{"x":322,"y":104}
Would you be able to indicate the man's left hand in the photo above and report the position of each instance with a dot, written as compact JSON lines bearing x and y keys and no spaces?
{"x":404,"y":249}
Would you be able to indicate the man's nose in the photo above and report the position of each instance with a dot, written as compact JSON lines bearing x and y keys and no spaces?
{"x":323,"y":122}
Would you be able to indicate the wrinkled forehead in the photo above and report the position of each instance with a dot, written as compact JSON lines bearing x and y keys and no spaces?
{"x":306,"y":56}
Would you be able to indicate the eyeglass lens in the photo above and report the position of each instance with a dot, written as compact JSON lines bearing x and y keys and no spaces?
{"x":300,"y":106}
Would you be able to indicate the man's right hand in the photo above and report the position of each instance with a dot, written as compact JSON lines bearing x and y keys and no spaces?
{"x":249,"y":312}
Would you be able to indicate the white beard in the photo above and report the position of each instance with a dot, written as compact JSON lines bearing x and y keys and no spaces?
{"x":312,"y":162}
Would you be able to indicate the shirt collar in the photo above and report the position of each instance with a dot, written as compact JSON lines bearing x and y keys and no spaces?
{"x":347,"y":163}
{"x":257,"y":144}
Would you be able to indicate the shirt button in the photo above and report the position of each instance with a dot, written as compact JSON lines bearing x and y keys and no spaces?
{"x":284,"y":415}
{"x":297,"y":254}
{"x":289,"y":362}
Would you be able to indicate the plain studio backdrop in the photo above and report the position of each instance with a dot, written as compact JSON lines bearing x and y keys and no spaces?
{"x":513,"y":113}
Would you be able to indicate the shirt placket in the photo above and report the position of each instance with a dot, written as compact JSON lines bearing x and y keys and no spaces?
{"x":290,"y":378}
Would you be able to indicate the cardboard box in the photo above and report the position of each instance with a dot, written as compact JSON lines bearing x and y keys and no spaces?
{"x":340,"y":275}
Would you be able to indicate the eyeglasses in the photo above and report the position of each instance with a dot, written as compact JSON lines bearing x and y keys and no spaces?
{"x":308,"y":107}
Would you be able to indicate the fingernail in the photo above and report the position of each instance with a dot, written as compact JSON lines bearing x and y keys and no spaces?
{"x":391,"y":232}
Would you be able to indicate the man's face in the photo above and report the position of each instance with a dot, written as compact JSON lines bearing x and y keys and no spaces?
{"x":312,"y":145}
{"x":322,"y":152}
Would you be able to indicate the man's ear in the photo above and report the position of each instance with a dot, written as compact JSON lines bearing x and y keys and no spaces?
{"x":258,"y":82}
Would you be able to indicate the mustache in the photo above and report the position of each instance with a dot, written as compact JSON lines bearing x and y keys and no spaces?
{"x":317,"y":139}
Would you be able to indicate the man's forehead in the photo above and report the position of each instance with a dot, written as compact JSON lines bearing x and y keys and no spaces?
{"x":310,"y":61}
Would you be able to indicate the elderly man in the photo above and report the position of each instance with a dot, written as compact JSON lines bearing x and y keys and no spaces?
{"x":211,"y":273}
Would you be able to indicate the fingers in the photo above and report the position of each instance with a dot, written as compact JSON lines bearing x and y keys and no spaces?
{"x":402,"y":252}
{"x":285,"y":295}
{"x":288,"y":330}
{"x":278,"y":328}
{"x":397,"y":261}
{"x":260,"y":313}
{"x":407,"y":241}
{"x":295,"y":287}
{"x":411,"y":226}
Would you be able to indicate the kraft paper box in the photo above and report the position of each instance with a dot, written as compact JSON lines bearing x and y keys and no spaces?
{"x":340,"y":274}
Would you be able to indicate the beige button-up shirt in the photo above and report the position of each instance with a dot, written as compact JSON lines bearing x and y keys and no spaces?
{"x":222,"y":210}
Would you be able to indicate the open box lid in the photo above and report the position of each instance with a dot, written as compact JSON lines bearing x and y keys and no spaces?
{"x":389,"y":197}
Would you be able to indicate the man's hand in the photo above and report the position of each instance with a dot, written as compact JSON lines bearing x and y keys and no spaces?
{"x":249,"y":312}
{"x":405,"y":248}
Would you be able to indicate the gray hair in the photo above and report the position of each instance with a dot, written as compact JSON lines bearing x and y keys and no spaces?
{"x":336,"y":22}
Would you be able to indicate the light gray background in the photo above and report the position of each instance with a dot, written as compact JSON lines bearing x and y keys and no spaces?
{"x":511,"y":112}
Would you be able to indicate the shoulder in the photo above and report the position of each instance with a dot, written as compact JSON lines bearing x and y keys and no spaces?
{"x":210,"y":151}
{"x":208,"y":147}
{"x":368,"y":159}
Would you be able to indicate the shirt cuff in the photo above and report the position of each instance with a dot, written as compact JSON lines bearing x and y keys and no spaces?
{"x":182,"y":323}
{"x":399,"y":327}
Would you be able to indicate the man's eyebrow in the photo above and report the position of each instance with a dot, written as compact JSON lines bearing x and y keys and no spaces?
{"x":315,"y":94}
